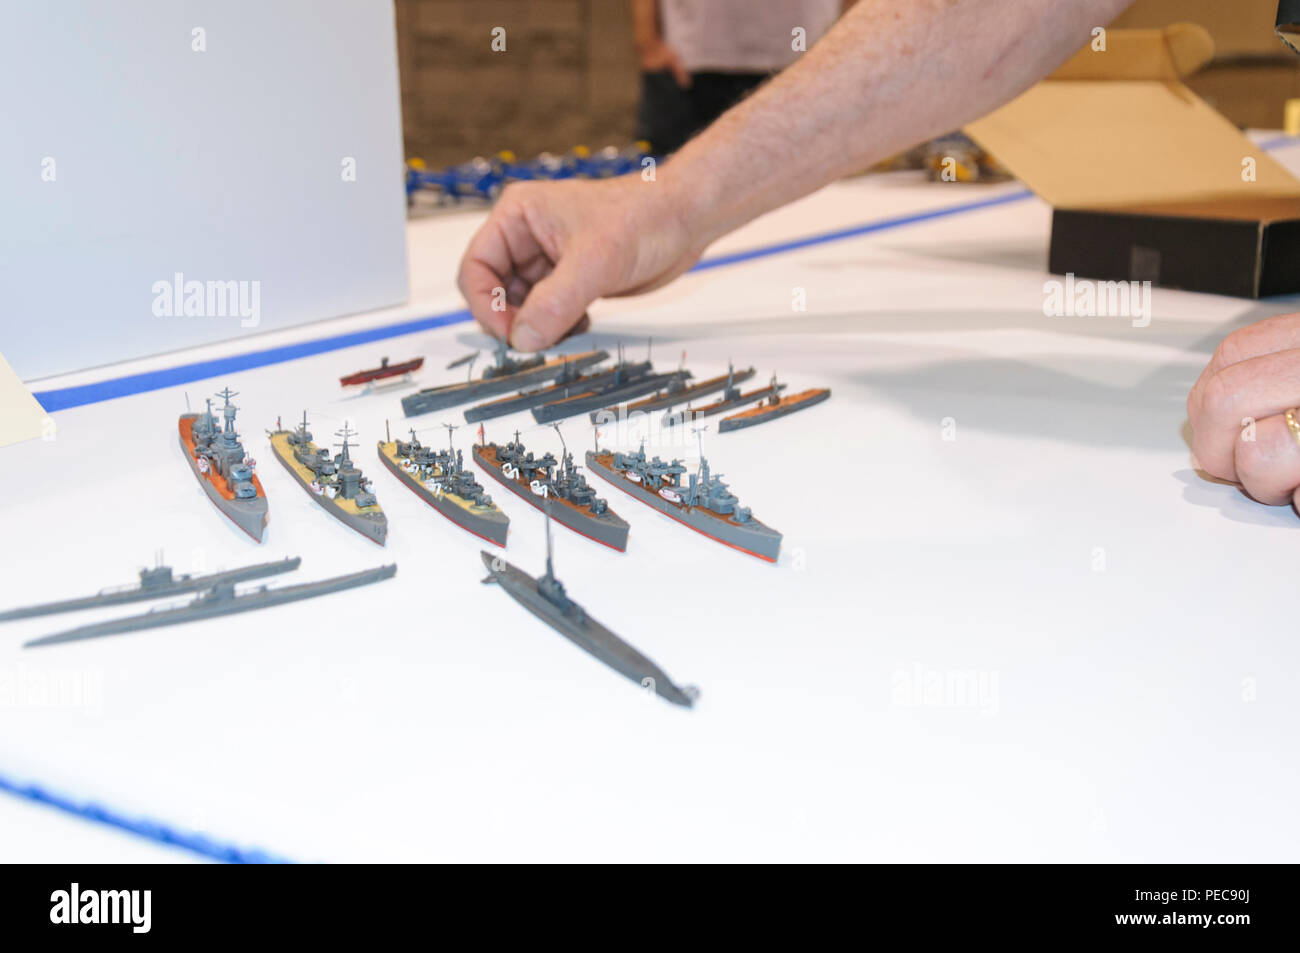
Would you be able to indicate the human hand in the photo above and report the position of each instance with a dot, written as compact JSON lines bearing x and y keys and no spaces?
{"x":656,"y":56}
{"x":1237,"y":410}
{"x":549,"y":249}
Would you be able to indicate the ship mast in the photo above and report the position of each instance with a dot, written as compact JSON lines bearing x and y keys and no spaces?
{"x":345,"y":433}
{"x":564,"y":454}
{"x":229,"y":410}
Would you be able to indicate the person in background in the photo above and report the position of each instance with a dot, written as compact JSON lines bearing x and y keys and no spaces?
{"x":700,"y":57}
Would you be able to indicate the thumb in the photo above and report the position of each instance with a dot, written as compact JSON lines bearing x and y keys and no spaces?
{"x":555,"y":304}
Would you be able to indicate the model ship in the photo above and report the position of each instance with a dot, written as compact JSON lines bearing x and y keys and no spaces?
{"x":335,"y":483}
{"x":382,"y":372}
{"x":555,"y":487}
{"x":440,"y":479}
{"x":774,"y":406}
{"x":505,"y":375}
{"x":546,"y":599}
{"x":219,"y":600}
{"x":677,"y":392}
{"x":569,"y":382}
{"x":730,"y":399}
{"x":157,"y":582}
{"x":628,"y":381}
{"x":703,"y":503}
{"x":224,"y":470}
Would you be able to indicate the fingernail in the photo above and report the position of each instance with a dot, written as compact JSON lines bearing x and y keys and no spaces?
{"x":524,"y":337}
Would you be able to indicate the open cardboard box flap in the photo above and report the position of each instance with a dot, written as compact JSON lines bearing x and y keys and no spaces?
{"x":1147,"y":181}
{"x":1119,"y":128}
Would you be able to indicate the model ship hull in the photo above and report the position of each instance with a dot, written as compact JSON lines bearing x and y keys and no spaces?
{"x":608,"y":528}
{"x":369,"y":521}
{"x":751,"y":536}
{"x":585,"y":632}
{"x":382,"y":373}
{"x":176,"y":587}
{"x":451,"y":395}
{"x":248,"y":515}
{"x":719,"y":406}
{"x":680,"y":396}
{"x":489,"y":524}
{"x":206,"y":608}
{"x":581,"y":403}
{"x":786,"y":405}
{"x":535,"y":398}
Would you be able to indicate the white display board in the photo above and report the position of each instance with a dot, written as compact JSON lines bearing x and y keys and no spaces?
{"x":175,"y":172}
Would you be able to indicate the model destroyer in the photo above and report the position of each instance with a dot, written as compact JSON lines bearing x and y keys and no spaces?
{"x":545,"y":598}
{"x":555,"y":487}
{"x":383,"y":372}
{"x":156,"y":582}
{"x":773,"y":407}
{"x":440,"y":479}
{"x":704,"y":503}
{"x":219,"y":600}
{"x":226,"y":473}
{"x":627,"y":382}
{"x":505,"y":375}
{"x":730,"y":399}
{"x":677,"y":392}
{"x":569,"y":382}
{"x":335,"y":483}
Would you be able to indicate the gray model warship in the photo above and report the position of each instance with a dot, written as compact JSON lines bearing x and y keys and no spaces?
{"x":731,"y":398}
{"x":219,"y":600}
{"x":157,"y":582}
{"x":773,"y":407}
{"x":505,"y":375}
{"x":677,"y":392}
{"x":224,"y":470}
{"x":334,"y":483}
{"x":546,"y":599}
{"x":570,"y":382}
{"x":554,"y":486}
{"x":627,"y":382}
{"x":704,"y":503}
{"x":440,"y":479}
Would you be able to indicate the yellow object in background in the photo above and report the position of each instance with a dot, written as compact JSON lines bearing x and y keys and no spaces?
{"x":1291,"y":117}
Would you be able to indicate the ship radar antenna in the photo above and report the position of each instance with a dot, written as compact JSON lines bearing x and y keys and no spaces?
{"x":344,"y":434}
{"x":451,"y":428}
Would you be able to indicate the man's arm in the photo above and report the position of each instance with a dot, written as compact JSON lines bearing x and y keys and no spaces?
{"x":890,"y":74}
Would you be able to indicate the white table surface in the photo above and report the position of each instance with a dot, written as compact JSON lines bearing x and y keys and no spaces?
{"x":1127,"y":626}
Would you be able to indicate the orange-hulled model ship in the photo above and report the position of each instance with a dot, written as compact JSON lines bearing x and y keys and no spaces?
{"x":224,"y":469}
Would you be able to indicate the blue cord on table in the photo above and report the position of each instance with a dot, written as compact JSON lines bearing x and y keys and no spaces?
{"x":192,"y":841}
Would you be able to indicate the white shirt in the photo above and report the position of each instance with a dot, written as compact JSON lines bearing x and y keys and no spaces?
{"x":743,"y":36}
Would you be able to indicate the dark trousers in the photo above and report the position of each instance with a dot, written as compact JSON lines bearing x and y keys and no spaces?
{"x":668,"y":115}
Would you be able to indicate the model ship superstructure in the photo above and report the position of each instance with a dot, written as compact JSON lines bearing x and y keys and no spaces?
{"x":440,"y":479}
{"x":335,"y":483}
{"x":224,"y":470}
{"x":506,"y":374}
{"x":545,"y":597}
{"x":703,"y":502}
{"x":553,"y":486}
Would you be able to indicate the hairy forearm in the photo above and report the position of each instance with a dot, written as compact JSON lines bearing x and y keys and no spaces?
{"x":891,"y":73}
{"x":645,"y":22}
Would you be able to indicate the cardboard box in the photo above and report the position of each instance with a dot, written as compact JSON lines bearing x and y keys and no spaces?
{"x":1239,"y":28}
{"x":1147,"y":182}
